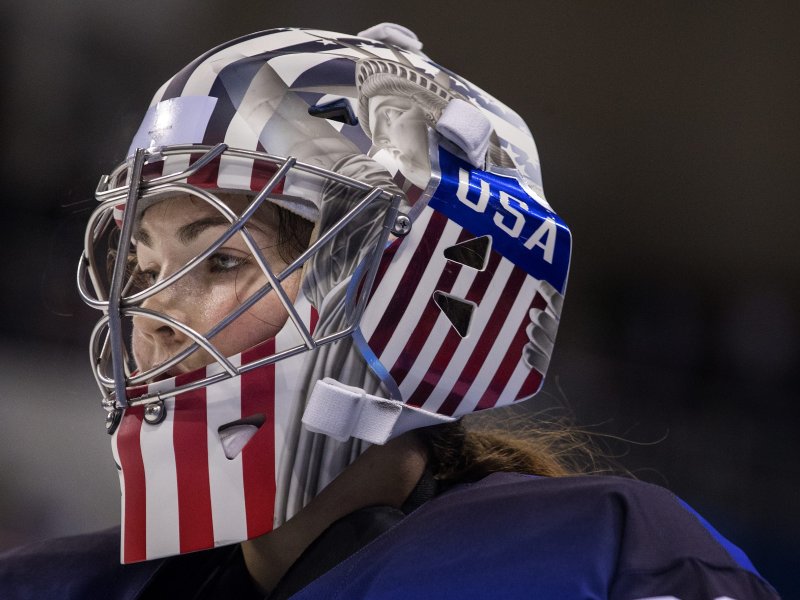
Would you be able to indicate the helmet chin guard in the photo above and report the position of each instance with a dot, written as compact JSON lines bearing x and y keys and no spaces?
{"x":431,"y":287}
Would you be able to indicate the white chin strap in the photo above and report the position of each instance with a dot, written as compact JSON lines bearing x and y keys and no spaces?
{"x":468,"y":128}
{"x":342,"y":411}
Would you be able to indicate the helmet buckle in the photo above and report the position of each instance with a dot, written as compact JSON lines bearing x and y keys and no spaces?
{"x":155,"y":412}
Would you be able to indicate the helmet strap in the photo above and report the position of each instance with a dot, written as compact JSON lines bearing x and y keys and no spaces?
{"x":343,"y":411}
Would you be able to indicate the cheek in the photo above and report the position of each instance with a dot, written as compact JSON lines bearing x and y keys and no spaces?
{"x":259,"y":323}
{"x":269,"y":314}
{"x":142,"y":350}
{"x":212,"y":304}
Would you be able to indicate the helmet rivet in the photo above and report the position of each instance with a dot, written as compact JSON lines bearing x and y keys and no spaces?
{"x":113,"y":418}
{"x":155,"y":412}
{"x":402,"y":225}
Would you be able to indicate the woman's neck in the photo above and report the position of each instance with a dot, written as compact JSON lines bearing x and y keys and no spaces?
{"x":381,"y":476}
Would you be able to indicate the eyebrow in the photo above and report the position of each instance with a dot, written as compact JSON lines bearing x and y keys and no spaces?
{"x":186,"y":233}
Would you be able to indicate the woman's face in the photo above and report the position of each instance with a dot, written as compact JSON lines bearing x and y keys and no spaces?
{"x":173,"y":232}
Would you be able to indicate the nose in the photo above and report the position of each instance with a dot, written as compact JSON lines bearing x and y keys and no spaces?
{"x":170,"y":302}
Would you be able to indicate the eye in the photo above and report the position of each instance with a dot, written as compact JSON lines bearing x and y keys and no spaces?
{"x":141,"y":278}
{"x":220,"y":262}
{"x":147,"y":278}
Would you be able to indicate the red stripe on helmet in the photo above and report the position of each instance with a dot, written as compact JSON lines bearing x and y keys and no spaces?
{"x":436,"y":369}
{"x":129,"y":451}
{"x":409,"y":354}
{"x":258,"y":456}
{"x":262,"y":173}
{"x":510,"y":361}
{"x":405,"y":288}
{"x":191,"y":464}
{"x":531,"y":385}
{"x":386,"y":260}
{"x":314,"y":319}
{"x":475,"y":294}
{"x":482,"y":280}
{"x":205,"y":177}
{"x":484,"y":345}
{"x":152,"y":170}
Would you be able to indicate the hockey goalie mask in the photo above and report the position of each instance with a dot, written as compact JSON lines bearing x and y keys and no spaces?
{"x":317,"y":242}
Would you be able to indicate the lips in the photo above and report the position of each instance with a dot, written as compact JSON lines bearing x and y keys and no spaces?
{"x":173,"y":371}
{"x":185,"y":366}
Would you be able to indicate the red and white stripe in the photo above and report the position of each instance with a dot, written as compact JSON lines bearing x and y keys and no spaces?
{"x":180,"y":493}
{"x":433,"y":366}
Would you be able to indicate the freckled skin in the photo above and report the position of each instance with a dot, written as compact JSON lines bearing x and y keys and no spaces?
{"x":211,"y":290}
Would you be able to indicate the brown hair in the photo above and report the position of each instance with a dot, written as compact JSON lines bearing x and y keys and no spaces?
{"x":476,"y":446}
{"x":294,"y":234}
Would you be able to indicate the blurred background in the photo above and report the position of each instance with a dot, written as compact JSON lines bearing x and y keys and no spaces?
{"x":669,"y":138}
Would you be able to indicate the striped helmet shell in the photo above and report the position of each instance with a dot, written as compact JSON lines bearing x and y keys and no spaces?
{"x":431,"y":286}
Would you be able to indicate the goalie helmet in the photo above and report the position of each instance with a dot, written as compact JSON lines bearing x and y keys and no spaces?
{"x":430,"y":287}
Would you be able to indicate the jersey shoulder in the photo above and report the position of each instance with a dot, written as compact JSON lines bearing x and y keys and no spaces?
{"x":517,"y":536}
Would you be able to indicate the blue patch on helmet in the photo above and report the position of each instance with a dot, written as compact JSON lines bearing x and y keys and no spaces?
{"x":522,"y":229}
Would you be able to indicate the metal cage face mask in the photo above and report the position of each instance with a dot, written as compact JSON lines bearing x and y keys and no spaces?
{"x":432,"y":285}
{"x":117,"y":295}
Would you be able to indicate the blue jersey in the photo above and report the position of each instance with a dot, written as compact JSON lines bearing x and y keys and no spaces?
{"x":508,"y":536}
{"x":516,"y":536}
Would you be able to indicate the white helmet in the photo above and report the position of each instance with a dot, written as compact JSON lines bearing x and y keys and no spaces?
{"x":431,"y":286}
